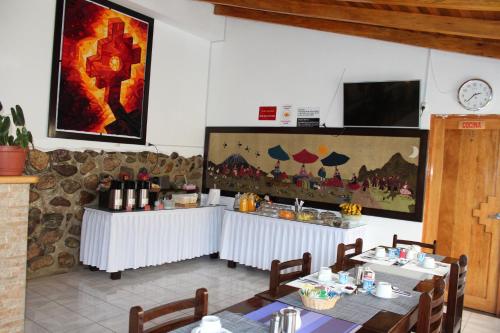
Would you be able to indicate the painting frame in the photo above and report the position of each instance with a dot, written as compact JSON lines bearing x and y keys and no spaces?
{"x":55,"y":86}
{"x":420,"y":134}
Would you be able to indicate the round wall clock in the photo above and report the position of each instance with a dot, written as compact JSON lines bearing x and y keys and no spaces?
{"x":474,"y":94}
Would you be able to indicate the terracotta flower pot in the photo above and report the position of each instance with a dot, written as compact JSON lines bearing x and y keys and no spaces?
{"x":12,"y":160}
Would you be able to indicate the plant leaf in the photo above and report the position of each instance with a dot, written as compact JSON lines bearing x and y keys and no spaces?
{"x":5,"y":126}
{"x":20,"y":115}
{"x":14,"y":115}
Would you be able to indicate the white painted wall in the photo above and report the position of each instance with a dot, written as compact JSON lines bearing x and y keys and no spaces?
{"x":266,"y":64}
{"x":178,"y":86}
{"x":192,"y":16}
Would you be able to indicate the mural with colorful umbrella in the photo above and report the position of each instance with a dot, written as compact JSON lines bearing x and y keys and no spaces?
{"x":378,"y":172}
{"x":279,"y":154}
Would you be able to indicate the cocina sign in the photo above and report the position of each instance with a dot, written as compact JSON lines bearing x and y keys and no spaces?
{"x":471,"y":124}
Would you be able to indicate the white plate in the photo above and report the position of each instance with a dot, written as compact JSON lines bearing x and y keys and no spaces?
{"x":197,"y":330}
{"x":394,"y":295}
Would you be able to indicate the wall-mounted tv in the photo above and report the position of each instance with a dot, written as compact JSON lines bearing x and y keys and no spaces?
{"x":382,"y":104}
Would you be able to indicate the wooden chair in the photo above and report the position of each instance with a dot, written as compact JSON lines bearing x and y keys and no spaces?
{"x":277,"y":280}
{"x":452,"y":322}
{"x":396,"y":241}
{"x":430,"y":309}
{"x":138,"y":316}
{"x":344,"y":258}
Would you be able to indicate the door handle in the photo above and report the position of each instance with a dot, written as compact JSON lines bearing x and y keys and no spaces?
{"x":495,"y":216}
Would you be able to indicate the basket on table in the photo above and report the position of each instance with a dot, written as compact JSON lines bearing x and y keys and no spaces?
{"x":319,"y":298}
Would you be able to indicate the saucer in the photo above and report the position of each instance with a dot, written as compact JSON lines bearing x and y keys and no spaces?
{"x":197,"y":330}
{"x":394,"y":295}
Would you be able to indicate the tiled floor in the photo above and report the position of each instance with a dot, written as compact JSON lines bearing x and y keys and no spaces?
{"x":85,"y":301}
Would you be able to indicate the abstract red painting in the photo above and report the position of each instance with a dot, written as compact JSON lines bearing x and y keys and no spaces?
{"x":100,"y":77}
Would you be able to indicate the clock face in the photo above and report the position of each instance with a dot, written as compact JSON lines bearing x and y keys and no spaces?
{"x":474,"y":94}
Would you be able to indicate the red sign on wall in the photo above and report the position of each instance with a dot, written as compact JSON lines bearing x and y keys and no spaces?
{"x":267,"y":112}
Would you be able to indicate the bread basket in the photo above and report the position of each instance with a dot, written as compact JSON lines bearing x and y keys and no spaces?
{"x":319,"y":303}
{"x":318,"y":298}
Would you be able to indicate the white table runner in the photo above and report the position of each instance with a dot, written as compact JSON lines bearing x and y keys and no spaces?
{"x":441,"y":269}
{"x":256,"y":240}
{"x":117,"y":241}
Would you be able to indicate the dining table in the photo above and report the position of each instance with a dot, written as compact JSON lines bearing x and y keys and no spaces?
{"x":381,"y":321}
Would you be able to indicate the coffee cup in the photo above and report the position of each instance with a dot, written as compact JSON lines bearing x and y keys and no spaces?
{"x":210,"y":324}
{"x":383,"y":289}
{"x":416,"y":248}
{"x":380,"y":252}
{"x":325,"y":274}
{"x":429,"y":262}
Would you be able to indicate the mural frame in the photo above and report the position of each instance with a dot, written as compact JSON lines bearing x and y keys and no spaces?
{"x":55,"y":87}
{"x":422,"y":135}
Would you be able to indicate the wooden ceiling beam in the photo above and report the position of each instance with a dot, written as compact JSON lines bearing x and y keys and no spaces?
{"x":449,"y":25}
{"x":475,"y":5}
{"x":473,"y":46}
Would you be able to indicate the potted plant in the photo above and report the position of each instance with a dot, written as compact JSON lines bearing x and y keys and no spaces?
{"x":13,"y":148}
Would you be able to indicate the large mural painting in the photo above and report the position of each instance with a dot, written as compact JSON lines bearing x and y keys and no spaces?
{"x":381,"y":169}
{"x":102,"y":55}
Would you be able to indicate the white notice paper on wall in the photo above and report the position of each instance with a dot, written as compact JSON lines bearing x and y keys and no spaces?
{"x":308,"y":117}
{"x":286,"y":115}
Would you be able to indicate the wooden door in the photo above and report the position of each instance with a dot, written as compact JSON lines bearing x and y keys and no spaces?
{"x":463,"y":198}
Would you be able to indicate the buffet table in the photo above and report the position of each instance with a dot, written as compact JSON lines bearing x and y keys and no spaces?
{"x":115,"y":241}
{"x":256,"y":240}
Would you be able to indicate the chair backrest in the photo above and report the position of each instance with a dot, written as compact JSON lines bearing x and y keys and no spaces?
{"x":345,"y":252}
{"x":456,"y":290}
{"x":430,"y":309}
{"x":277,"y":278}
{"x":138,"y":316}
{"x":396,"y":241}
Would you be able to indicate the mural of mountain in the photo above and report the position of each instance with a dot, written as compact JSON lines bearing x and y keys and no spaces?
{"x":396,"y":166}
{"x":235,"y":159}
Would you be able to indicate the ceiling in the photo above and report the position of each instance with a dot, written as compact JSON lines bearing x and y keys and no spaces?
{"x":464,"y":26}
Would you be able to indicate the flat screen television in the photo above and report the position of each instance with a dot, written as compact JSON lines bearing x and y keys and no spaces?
{"x":382,"y":104}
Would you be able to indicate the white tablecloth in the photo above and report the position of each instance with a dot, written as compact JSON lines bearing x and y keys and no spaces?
{"x":256,"y":241}
{"x":116,"y":241}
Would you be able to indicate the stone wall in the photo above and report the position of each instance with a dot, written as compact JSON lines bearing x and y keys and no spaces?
{"x":13,"y":222}
{"x":68,"y":181}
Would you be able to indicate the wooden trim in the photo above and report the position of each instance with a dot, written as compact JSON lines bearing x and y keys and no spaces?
{"x":480,"y":5}
{"x":434,"y":173}
{"x":459,"y":26}
{"x":18,"y":179}
{"x":474,"y":46}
